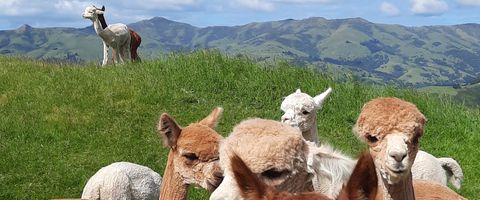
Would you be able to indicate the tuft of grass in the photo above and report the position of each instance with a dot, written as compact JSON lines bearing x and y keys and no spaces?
{"x":59,"y":124}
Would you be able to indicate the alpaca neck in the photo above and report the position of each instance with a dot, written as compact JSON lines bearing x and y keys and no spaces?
{"x":102,"y":20}
{"x":172,"y":186}
{"x":312,"y":134}
{"x":403,"y":190}
{"x":98,"y":26}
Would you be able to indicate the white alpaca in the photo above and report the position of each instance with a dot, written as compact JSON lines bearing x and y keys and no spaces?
{"x":300,"y":111}
{"x":123,"y":180}
{"x":116,"y":36}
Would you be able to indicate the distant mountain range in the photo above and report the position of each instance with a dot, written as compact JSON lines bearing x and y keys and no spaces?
{"x":381,"y":53}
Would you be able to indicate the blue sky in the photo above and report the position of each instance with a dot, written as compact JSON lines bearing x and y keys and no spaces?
{"x":201,"y":13}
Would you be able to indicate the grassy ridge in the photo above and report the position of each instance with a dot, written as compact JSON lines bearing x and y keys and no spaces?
{"x":59,"y":125}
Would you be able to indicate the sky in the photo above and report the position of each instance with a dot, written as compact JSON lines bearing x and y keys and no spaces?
{"x":202,"y":13}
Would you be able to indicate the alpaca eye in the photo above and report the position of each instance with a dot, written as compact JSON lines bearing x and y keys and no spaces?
{"x":274,"y":173}
{"x":305,"y":112}
{"x":372,"y":139}
{"x":190,"y":156}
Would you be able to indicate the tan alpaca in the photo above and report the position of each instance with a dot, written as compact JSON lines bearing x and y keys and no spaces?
{"x":193,"y":157}
{"x":252,"y":188}
{"x":274,"y":151}
{"x":362,"y":184}
{"x":392,"y":129}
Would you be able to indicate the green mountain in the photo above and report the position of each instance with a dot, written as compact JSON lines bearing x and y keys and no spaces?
{"x":380,"y":53}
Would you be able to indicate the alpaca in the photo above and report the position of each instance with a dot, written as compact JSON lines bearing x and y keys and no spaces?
{"x":274,"y":151}
{"x":300,"y":111}
{"x":362,"y":185}
{"x":116,"y":36}
{"x":392,"y":129}
{"x":252,"y":188}
{"x":123,"y":180}
{"x":193,"y":158}
{"x":135,"y":41}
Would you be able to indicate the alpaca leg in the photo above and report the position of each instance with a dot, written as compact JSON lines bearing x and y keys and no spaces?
{"x":127,"y":53}
{"x":105,"y":54}
{"x":113,"y":56}
{"x":120,"y":56}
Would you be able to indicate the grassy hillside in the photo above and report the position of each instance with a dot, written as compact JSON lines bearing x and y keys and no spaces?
{"x":59,"y":125}
{"x":469,"y":95}
{"x":413,"y":56}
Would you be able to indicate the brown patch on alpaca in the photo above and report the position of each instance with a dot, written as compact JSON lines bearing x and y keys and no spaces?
{"x":252,"y":188}
{"x":134,"y":44}
{"x":193,"y":157}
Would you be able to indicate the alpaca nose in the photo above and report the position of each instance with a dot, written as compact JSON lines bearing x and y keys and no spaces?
{"x":285,"y":118}
{"x":398,"y":155}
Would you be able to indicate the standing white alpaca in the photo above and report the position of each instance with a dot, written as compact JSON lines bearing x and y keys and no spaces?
{"x":300,"y":111}
{"x":116,"y":36}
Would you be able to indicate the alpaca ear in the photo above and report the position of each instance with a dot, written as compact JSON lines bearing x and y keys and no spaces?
{"x":103,"y":8}
{"x":298,"y":91}
{"x":319,"y":99}
{"x":212,"y":119}
{"x":99,"y":12}
{"x":169,"y":129}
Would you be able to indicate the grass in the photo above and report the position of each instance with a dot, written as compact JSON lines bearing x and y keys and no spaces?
{"x":59,"y":124}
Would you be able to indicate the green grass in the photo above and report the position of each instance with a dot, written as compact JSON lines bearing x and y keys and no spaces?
{"x":440,"y":90}
{"x":59,"y":124}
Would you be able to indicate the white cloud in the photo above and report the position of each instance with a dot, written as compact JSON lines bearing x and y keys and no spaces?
{"x":469,"y":2}
{"x":263,"y":5}
{"x":18,"y":8}
{"x":160,"y":4}
{"x":389,"y":9}
{"x":429,"y":7}
{"x":305,"y":1}
{"x":66,"y":7}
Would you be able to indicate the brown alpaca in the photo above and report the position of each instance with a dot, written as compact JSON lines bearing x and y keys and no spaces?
{"x":273,"y":151}
{"x":392,"y":129}
{"x":193,"y":157}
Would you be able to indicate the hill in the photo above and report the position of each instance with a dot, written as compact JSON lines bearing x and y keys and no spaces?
{"x":379,"y":53}
{"x":59,"y":124}
{"x":469,"y":95}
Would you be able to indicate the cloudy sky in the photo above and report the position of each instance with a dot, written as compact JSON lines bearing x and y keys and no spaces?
{"x":201,"y":13}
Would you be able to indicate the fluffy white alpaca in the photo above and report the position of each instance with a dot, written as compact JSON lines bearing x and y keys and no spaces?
{"x":123,"y":180}
{"x":116,"y":36}
{"x":300,"y":111}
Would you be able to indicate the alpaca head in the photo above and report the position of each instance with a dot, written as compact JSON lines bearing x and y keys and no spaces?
{"x":92,"y":12}
{"x":300,"y":109}
{"x":274,"y":151}
{"x":194,"y":149}
{"x":392,"y":129}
